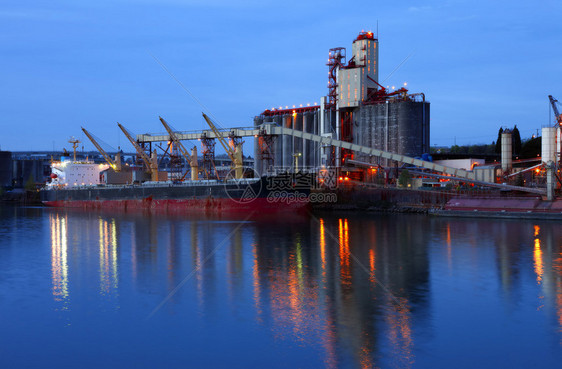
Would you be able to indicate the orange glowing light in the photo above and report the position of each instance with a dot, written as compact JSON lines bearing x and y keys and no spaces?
{"x":537,"y":257}
{"x":344,"y":249}
{"x":372,"y":260}
{"x":347,"y":178}
{"x":323,"y":244}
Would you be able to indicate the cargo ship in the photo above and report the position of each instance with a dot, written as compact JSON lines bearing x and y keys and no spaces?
{"x":77,"y":184}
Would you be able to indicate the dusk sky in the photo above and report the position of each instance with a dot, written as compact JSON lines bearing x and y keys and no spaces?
{"x":67,"y":64}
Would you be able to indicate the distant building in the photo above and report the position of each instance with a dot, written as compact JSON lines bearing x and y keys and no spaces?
{"x":5,"y":169}
{"x":38,"y":170}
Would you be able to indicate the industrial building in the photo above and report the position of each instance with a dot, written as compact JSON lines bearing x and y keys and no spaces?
{"x":6,"y":169}
{"x":358,"y":109}
{"x":361,"y":131}
{"x":18,"y":168}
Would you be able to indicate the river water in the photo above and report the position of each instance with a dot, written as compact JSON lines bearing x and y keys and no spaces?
{"x":93,"y":289}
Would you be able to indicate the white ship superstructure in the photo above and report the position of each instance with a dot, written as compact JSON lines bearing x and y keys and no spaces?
{"x":67,"y":173}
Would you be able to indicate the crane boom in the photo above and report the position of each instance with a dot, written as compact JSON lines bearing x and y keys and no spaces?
{"x":225,"y":146}
{"x":175,"y":139}
{"x":115,"y":166}
{"x":557,"y":114}
{"x":235,"y":154}
{"x":191,"y":159}
{"x":151,"y":163}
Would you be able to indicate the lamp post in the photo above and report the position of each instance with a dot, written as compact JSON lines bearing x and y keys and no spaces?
{"x":297,"y":156}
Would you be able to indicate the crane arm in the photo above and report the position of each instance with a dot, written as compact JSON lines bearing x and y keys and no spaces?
{"x":557,"y":114}
{"x":102,"y":151}
{"x":175,"y":139}
{"x":226,"y":147}
{"x":140,"y":151}
{"x":553,"y":102}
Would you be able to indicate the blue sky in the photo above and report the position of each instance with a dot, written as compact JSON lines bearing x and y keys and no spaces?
{"x":67,"y":64}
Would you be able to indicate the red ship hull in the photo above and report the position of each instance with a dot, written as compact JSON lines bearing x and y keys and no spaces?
{"x":209,"y":205}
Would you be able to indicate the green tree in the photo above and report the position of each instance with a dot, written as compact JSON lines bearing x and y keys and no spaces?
{"x":499,"y":141}
{"x":531,"y":148}
{"x":30,"y":184}
{"x":516,"y":140}
{"x":405,"y":178}
{"x":456,"y":149}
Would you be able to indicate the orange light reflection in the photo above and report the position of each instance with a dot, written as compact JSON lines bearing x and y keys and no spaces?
{"x":323,"y":246}
{"x":344,"y":252}
{"x":537,"y":257}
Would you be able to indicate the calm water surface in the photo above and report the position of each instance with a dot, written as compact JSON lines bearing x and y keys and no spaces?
{"x":83,"y":289}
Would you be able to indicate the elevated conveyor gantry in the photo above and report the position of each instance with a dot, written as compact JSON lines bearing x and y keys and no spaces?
{"x":272,"y":129}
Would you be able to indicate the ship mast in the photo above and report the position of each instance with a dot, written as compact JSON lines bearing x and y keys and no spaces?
{"x":74,"y":143}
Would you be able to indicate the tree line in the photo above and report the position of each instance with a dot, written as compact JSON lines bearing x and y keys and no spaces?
{"x":522,"y":148}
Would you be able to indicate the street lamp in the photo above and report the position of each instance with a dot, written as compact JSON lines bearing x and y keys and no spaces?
{"x":297,"y":156}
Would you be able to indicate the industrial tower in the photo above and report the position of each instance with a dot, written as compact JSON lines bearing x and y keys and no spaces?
{"x":357,"y":109}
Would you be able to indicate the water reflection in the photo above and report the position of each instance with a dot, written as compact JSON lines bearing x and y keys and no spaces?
{"x":537,"y":256}
{"x":357,"y":288}
{"x":59,"y":256}
{"x":109,"y":278}
{"x":315,"y":292}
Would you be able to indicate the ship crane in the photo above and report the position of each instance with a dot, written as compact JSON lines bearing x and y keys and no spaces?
{"x":114,"y":164}
{"x":151,"y":163}
{"x":235,"y":154}
{"x":557,"y":114}
{"x":191,"y":159}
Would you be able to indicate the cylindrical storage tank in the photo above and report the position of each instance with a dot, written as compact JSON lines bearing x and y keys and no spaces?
{"x":6,"y":168}
{"x":409,"y":124}
{"x":297,"y":141}
{"x":315,"y":146}
{"x":307,"y":127}
{"x":507,"y":152}
{"x":278,"y":144}
{"x":381,"y":130}
{"x":548,"y":144}
{"x":258,"y":162}
{"x":287,"y":143}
